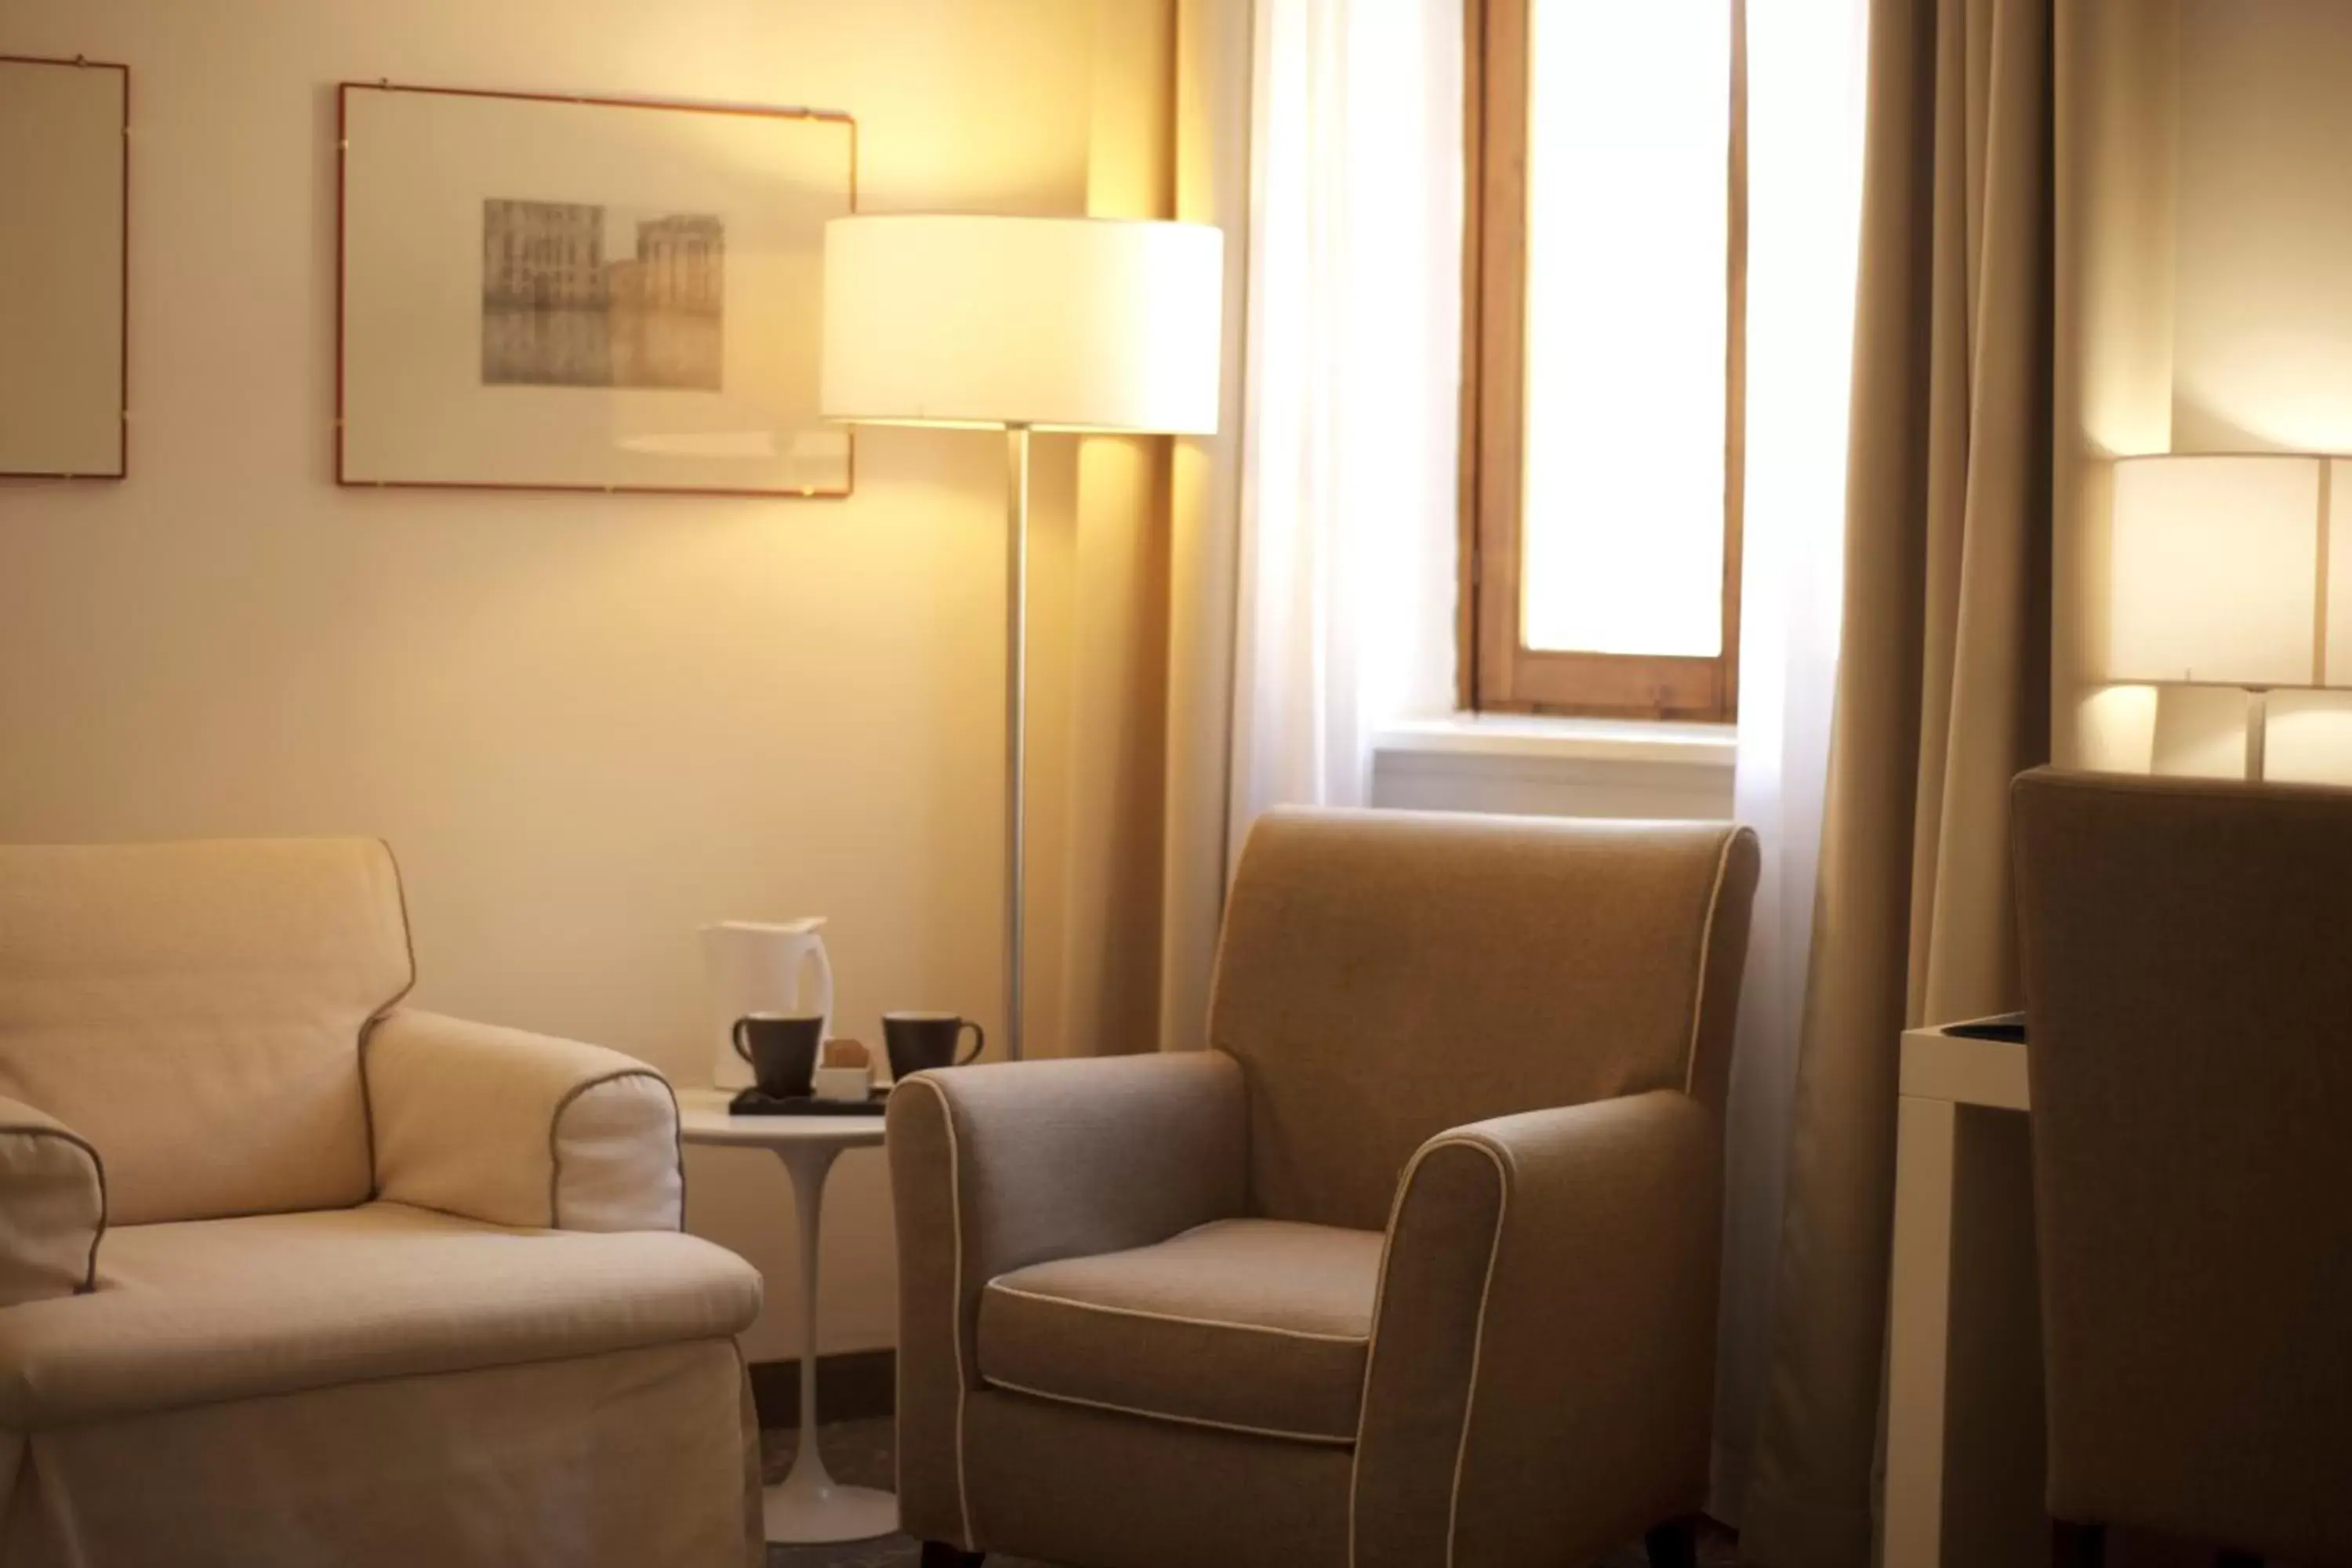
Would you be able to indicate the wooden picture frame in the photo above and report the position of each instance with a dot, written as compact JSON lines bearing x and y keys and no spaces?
{"x":537,"y":292}
{"x":65,"y":245}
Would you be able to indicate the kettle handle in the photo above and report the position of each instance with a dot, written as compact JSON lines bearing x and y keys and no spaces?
{"x":823,"y":984}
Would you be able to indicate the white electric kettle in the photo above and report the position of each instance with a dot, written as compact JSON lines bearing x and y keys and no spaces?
{"x":749,"y":967}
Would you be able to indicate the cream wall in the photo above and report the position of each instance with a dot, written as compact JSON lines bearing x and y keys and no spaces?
{"x":2264,"y":308}
{"x":2211,"y":221}
{"x":586,"y":724}
{"x":2263,"y":344}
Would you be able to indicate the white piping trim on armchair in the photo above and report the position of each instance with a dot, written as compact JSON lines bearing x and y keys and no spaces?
{"x":1324,"y":1439}
{"x":1706,"y":948}
{"x":1503,"y":1173}
{"x":955,"y":1323}
{"x":1002,"y":1289}
{"x":1478,"y":1342}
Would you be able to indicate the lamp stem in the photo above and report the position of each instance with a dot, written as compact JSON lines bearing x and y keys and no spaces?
{"x":2258,"y":723}
{"x":1016,"y":726}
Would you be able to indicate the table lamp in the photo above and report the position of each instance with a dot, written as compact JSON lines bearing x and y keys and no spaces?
{"x":2220,"y":576}
{"x":1022,"y":324}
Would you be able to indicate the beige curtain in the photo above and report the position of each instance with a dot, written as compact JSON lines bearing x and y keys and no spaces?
{"x":1213,"y":130}
{"x":1132,"y":590}
{"x":1098,"y":625}
{"x":1942,"y":695}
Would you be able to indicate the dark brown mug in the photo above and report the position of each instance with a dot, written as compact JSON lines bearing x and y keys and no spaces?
{"x":917,"y":1041}
{"x":782,"y":1048}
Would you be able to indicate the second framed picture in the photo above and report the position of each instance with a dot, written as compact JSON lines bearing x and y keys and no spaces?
{"x":65,"y":182}
{"x":595,"y":295}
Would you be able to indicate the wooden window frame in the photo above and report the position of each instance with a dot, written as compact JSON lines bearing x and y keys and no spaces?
{"x":1496,"y":670}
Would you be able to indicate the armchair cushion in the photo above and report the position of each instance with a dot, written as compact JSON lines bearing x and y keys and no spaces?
{"x":55,"y":1207}
{"x":1255,"y":1324}
{"x":1386,"y":975}
{"x":194,"y":1010}
{"x":203,"y":1311}
{"x":512,"y":1128}
{"x":1002,"y":1166}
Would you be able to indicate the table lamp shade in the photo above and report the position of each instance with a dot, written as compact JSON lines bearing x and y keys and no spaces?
{"x":1054,"y":324}
{"x":2219,"y":571}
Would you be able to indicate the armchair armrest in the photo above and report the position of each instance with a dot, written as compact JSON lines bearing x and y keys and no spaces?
{"x":54,"y":1210}
{"x":995,"y":1168}
{"x":1550,"y":1292}
{"x":513,"y":1128}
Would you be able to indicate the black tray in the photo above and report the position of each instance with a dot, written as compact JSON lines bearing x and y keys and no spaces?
{"x":751,"y":1103}
{"x":2009,"y":1028}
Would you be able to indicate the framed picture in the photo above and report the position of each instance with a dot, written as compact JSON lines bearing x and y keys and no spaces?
{"x":585,"y":294}
{"x":65,"y":182}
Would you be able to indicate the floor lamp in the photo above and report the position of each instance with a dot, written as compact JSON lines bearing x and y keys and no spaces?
{"x":1022,"y":324}
{"x":2218,"y":574}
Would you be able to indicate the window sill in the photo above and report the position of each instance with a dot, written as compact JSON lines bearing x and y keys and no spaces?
{"x":1520,"y":764}
{"x":1581,"y":740}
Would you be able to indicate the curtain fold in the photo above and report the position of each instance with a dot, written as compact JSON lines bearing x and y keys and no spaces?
{"x":1098,"y":629}
{"x":1942,"y":695}
{"x":1348,"y":536}
{"x":1212,"y":160}
{"x":1805,"y":100}
{"x":1297,"y":708}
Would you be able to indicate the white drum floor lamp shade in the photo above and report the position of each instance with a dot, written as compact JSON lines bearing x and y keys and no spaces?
{"x":1053,"y":324}
{"x":1022,"y":324}
{"x":2219,"y":576}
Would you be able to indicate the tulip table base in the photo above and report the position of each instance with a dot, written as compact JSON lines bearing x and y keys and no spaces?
{"x":808,"y":1506}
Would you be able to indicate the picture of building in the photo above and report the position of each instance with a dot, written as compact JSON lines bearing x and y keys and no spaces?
{"x":562,"y":307}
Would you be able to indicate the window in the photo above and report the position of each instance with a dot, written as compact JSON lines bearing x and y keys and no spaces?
{"x":1601,"y":392}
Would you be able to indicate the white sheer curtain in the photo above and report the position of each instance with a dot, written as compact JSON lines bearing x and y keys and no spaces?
{"x":1805,"y":97}
{"x":1348,"y":466}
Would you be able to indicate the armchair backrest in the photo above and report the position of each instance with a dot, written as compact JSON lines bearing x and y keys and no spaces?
{"x":194,"y":1010}
{"x":2188,"y":1003}
{"x":1386,"y":975}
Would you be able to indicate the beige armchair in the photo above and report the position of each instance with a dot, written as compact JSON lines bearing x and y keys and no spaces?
{"x":1417,"y":1266}
{"x":291,"y":1275}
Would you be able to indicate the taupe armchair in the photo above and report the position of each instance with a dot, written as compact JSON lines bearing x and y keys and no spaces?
{"x":1416,"y":1266}
{"x":2189,"y":1011}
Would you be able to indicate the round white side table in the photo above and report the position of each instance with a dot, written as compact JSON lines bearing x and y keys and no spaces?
{"x":808,"y":1505}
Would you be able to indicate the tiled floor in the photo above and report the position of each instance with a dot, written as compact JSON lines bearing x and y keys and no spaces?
{"x":859,"y":1452}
